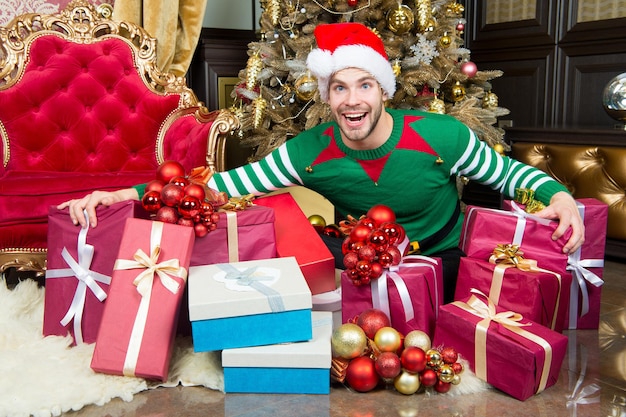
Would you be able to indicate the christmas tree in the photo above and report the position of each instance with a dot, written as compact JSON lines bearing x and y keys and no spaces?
{"x":277,"y":98}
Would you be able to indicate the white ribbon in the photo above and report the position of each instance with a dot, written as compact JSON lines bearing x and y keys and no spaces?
{"x":520,"y":226}
{"x":581,"y":276}
{"x":380,"y":291}
{"x":86,"y":279}
{"x":144,"y":283}
{"x":252,"y":277}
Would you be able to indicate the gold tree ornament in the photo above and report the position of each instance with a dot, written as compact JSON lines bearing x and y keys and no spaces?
{"x":253,"y":68}
{"x":437,"y":106}
{"x":490,"y":101}
{"x":498,"y":147}
{"x":425,"y":21}
{"x":454,"y":9}
{"x":445,"y":40}
{"x":272,"y":8}
{"x":400,"y":20}
{"x":457,"y":91}
{"x":259,"y":104}
{"x":305,"y":86}
{"x":397,"y":69}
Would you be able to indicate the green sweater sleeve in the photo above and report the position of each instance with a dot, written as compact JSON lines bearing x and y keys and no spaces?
{"x":141,"y":189}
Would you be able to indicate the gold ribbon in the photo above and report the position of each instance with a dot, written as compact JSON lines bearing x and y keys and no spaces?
{"x":144,"y":282}
{"x":511,"y":321}
{"x":526,"y":196}
{"x":238,"y":203}
{"x":508,"y":256}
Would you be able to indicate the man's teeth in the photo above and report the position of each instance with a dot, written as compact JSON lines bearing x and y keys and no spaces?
{"x":355,"y":117}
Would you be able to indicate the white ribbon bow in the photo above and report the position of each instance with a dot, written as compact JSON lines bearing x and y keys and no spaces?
{"x":86,"y":279}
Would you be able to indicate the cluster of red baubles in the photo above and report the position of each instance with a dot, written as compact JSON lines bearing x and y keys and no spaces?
{"x":173,"y":198}
{"x":409,"y":363}
{"x":372,"y":245}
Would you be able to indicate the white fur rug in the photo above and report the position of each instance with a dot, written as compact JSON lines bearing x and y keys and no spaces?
{"x":45,"y":376}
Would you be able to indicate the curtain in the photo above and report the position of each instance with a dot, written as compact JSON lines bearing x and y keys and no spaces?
{"x":176,"y":24}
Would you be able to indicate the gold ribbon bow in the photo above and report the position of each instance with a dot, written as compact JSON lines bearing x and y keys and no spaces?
{"x":509,"y":255}
{"x":526,"y":196}
{"x":511,"y":321}
{"x":165,"y":270}
{"x":238,"y":203}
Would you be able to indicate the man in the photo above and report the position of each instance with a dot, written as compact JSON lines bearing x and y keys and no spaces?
{"x":405,"y":159}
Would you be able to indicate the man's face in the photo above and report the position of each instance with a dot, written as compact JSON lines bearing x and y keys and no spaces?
{"x":356,"y":101}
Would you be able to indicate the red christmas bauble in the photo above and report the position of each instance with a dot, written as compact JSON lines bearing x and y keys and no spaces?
{"x":394,"y":232}
{"x":361,"y":374}
{"x":353,"y":3}
{"x":171,"y":194}
{"x":385,"y":259}
{"x":200,"y":230}
{"x":347,"y":246}
{"x":331,"y":231}
{"x":151,"y":201}
{"x":206,"y":208}
{"x":366,"y":221}
{"x":372,"y":320}
{"x":195,"y":190}
{"x":381,"y":213}
{"x":469,"y":68}
{"x":154,"y":185}
{"x":396,"y":256}
{"x":167,"y":214}
{"x":388,"y":365}
{"x":359,"y":233}
{"x":180,"y":181}
{"x":428,"y":377}
{"x":379,"y":241}
{"x":457,"y":367}
{"x":413,"y":359}
{"x":376,"y":270}
{"x":189,"y":207}
{"x":449,"y":355}
{"x":367,"y":253}
{"x":350,"y":259}
{"x":185,"y":222}
{"x":168,"y":170}
{"x":364,"y":268}
{"x":442,"y":387}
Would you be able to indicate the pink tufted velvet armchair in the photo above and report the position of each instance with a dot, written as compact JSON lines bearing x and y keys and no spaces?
{"x":84,"y":107}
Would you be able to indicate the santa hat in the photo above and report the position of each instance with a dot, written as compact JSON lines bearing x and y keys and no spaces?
{"x":349,"y":45}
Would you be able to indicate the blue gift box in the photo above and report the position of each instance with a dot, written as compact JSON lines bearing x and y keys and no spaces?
{"x":293,"y":368}
{"x":249,"y":303}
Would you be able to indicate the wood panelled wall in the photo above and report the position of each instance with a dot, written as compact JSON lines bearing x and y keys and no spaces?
{"x":556,"y":63}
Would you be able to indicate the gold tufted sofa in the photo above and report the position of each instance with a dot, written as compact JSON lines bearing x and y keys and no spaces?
{"x":590,"y":162}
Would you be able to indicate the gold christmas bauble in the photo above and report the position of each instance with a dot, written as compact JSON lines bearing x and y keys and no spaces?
{"x":458,"y":92}
{"x":437,"y":106}
{"x":446,"y":374}
{"x":456,"y":380}
{"x":400,"y":20}
{"x":445,"y":40}
{"x":388,"y":339}
{"x":433,"y":358}
{"x":317,"y":222}
{"x":490,"y":101}
{"x":348,"y":341}
{"x":407,"y":383}
{"x":498,"y":147}
{"x":305,"y":86}
{"x":419,"y":339}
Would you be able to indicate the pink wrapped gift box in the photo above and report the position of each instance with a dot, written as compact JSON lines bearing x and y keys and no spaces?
{"x":295,"y":236}
{"x":241,"y":235}
{"x":484,"y":229}
{"x":586,"y":264}
{"x":540,"y":296}
{"x":139,"y":320}
{"x":79,"y":266}
{"x":519,"y":360}
{"x":410,"y":294}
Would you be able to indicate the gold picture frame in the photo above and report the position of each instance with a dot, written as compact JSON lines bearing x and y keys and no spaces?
{"x":225,"y":86}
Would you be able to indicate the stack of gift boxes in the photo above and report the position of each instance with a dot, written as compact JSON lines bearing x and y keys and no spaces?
{"x":244,"y":289}
{"x":517,"y":291}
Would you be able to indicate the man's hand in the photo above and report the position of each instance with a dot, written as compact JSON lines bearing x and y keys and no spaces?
{"x":563,"y":207}
{"x":91,"y":201}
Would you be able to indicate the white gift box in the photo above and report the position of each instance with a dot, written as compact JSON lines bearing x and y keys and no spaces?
{"x":291,"y":368}
{"x":248,"y":303}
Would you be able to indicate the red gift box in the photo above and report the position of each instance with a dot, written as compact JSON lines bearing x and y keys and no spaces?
{"x":586,"y":264}
{"x":539,"y":295}
{"x":515,"y":355}
{"x":79,"y":266}
{"x":241,"y":235}
{"x":295,"y":236}
{"x":484,"y":229}
{"x":409,"y":293}
{"x":139,"y":320}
